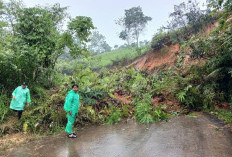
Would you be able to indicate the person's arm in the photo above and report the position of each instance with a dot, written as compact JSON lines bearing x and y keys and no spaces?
{"x":14,"y":93}
{"x":28,"y":97}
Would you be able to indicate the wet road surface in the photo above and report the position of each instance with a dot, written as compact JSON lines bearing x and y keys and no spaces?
{"x":201,"y":136}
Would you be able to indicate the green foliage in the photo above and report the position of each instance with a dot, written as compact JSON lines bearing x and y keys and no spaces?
{"x":139,"y":51}
{"x":92,"y":96}
{"x":133,"y":24}
{"x":138,"y":85}
{"x":209,"y":97}
{"x":98,"y":43}
{"x":143,"y":109}
{"x":88,"y":114}
{"x":159,"y":40}
{"x":189,"y":14}
{"x":114,"y":115}
{"x":159,"y":114}
{"x":33,"y":42}
{"x":127,"y":110}
{"x":182,"y":95}
{"x":217,"y":6}
{"x":224,"y":115}
{"x":145,"y":113}
{"x":4,"y":107}
{"x":39,"y":92}
{"x":45,"y":116}
{"x":164,"y":81}
{"x":162,"y":38}
{"x":217,"y":49}
{"x":115,"y":57}
{"x":190,"y":89}
{"x":82,"y":27}
{"x":31,"y":50}
{"x":84,"y":76}
{"x":186,"y":19}
{"x":191,"y":97}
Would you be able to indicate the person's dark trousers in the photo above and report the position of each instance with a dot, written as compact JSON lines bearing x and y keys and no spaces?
{"x":20,"y":112}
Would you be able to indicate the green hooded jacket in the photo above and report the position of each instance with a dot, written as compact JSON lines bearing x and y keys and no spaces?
{"x":22,"y":96}
{"x":72,"y":102}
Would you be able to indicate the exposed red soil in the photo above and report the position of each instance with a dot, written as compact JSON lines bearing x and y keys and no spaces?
{"x":157,"y":59}
{"x":171,"y":104}
{"x":123,"y":98}
{"x":188,"y":61}
{"x":224,"y":105}
{"x":165,"y":58}
{"x":207,"y":29}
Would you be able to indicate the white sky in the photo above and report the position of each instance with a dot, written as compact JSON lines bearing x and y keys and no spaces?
{"x":105,"y":12}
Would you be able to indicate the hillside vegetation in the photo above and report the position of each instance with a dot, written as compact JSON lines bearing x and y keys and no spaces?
{"x":119,"y":57}
{"x":154,"y":87}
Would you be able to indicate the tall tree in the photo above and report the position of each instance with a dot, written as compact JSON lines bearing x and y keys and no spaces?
{"x":187,"y":14}
{"x":133,"y":24}
{"x":80,"y":28}
{"x":126,"y":33}
{"x":178,"y":18}
{"x":98,"y":43}
{"x":10,"y":13}
{"x":31,"y":51}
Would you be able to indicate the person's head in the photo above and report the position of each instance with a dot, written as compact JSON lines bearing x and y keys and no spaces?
{"x":24,"y":85}
{"x":75,"y":87}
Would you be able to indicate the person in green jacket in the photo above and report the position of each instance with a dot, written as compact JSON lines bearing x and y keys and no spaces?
{"x":21,"y":96}
{"x":71,"y":106}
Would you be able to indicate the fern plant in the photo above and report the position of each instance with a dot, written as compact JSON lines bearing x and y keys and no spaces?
{"x":139,"y":84}
{"x":159,"y":114}
{"x":182,"y":95}
{"x":114,"y":116}
{"x":143,"y":109}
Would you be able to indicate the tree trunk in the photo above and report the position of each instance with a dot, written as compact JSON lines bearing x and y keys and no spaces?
{"x":137,"y":37}
{"x":128,"y":41}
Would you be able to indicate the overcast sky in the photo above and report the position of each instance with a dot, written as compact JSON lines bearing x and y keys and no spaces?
{"x":105,"y":12}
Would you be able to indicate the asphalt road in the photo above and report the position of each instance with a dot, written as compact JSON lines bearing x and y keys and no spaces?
{"x":201,"y":136}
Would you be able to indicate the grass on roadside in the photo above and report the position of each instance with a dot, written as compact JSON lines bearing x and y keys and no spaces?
{"x":225,"y":115}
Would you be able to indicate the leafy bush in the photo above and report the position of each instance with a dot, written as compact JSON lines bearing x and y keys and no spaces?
{"x":208,"y":97}
{"x":191,"y":97}
{"x":139,"y":84}
{"x":224,"y":115}
{"x":164,"y":81}
{"x":114,"y":116}
{"x":159,"y":40}
{"x":145,"y":113}
{"x":143,"y":109}
{"x":39,"y":92}
{"x":159,"y":114}
{"x":4,"y":107}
